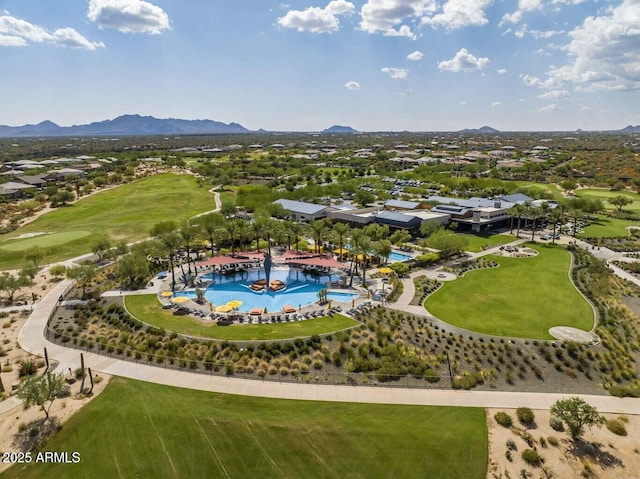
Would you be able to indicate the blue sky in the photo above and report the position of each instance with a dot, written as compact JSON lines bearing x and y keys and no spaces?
{"x":419,"y":65}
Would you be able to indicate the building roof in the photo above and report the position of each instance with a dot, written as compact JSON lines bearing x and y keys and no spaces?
{"x":516,"y":198}
{"x":300,"y":206}
{"x":451,"y":209}
{"x":397,"y":218}
{"x":407,"y":205}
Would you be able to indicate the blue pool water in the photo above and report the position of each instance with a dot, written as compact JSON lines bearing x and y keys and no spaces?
{"x":396,"y":256}
{"x":302,"y":289}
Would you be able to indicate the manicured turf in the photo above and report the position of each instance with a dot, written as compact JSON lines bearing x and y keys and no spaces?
{"x":127,"y":212}
{"x":522,"y":298}
{"x":44,"y":241}
{"x":147,"y":308}
{"x":605,"y":227}
{"x":606,"y":195}
{"x":136,"y":429}
{"x":476,"y":242}
{"x":543,"y":187}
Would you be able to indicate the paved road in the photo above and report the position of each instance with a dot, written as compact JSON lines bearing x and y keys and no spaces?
{"x":31,"y":339}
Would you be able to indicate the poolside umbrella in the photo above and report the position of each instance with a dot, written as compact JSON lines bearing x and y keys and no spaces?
{"x":166,"y":294}
{"x":180,"y":299}
{"x":225,"y":308}
{"x":386,"y":270}
{"x":236,"y":303}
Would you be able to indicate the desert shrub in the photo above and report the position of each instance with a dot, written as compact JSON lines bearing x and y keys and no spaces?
{"x":525,"y":415}
{"x":531,"y":457}
{"x":27,"y":367}
{"x":616,"y":427}
{"x":553,"y":441}
{"x":504,"y":419}
{"x":556,"y":423}
{"x":511,"y":445}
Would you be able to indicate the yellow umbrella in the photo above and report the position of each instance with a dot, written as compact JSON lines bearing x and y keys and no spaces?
{"x":180,"y":299}
{"x":166,"y":294}
{"x":386,"y":270}
{"x":225,"y":308}
{"x":341,"y":251}
{"x":236,"y":303}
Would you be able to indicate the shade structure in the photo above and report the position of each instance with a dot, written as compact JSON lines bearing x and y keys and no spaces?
{"x":287,"y":308}
{"x":341,"y":251}
{"x":386,"y":270}
{"x":225,"y":308}
{"x":223,"y":260}
{"x":180,"y":299}
{"x":319,"y":261}
{"x":256,"y":312}
{"x":166,"y":294}
{"x":236,"y":303}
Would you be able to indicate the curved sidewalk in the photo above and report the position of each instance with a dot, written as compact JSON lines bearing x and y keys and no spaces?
{"x":31,"y":338}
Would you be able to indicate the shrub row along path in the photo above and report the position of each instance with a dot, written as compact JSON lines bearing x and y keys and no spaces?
{"x":31,"y":339}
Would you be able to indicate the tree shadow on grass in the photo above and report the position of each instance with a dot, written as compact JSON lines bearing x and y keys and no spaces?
{"x":594,"y":452}
{"x":35,"y":434}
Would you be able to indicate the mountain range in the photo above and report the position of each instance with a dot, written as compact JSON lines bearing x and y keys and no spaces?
{"x":126,"y":125}
{"x":339,"y":129}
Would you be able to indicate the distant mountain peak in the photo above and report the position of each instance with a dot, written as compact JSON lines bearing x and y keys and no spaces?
{"x":339,"y":129}
{"x":482,"y":129}
{"x":630,"y":129}
{"x":130,"y":124}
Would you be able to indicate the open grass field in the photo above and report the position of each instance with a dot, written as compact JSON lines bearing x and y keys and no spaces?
{"x":148,"y":309}
{"x":126,"y":213}
{"x":540,"y":187}
{"x":522,"y":298}
{"x":476,"y":242}
{"x":137,"y":429}
{"x":606,"y":195}
{"x":605,"y":227}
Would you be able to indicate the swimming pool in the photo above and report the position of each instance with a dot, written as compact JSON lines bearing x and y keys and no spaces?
{"x":302,"y":289}
{"x":396,"y":257}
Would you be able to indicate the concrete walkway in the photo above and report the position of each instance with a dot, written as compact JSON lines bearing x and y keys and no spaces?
{"x":31,"y":339}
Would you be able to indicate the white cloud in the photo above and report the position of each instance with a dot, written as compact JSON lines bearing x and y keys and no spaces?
{"x":12,"y":41}
{"x":15,"y":32}
{"x":545,"y":34}
{"x":501,"y":71}
{"x":496,"y":104}
{"x":524,"y":6}
{"x":396,"y":73}
{"x":403,"y":31}
{"x":352,"y":85}
{"x":604,"y":51}
{"x":463,"y":61}
{"x":460,"y":13}
{"x":340,"y":7}
{"x":463,"y":102}
{"x":383,"y":15}
{"x":415,"y":56}
{"x":128,"y":16}
{"x":68,"y":37}
{"x":552,"y":108}
{"x":554,"y":95}
{"x":317,"y":20}
{"x":534,"y":81}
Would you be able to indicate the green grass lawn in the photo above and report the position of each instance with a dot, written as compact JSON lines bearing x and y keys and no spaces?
{"x":136,"y":429}
{"x":476,"y":242}
{"x":534,"y":186}
{"x":522,"y":298}
{"x":606,"y":195}
{"x":147,"y":308}
{"x":127,"y":212}
{"x":605,"y":227}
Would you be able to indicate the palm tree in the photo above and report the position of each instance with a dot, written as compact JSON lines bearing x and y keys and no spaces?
{"x":171,"y":242}
{"x":365,"y":248}
{"x":340,"y":233}
{"x":294,"y":229}
{"x":187,"y":233}
{"x":384,"y":249}
{"x":210,"y":226}
{"x":259,"y":228}
{"x":318,"y":229}
{"x":557,"y":216}
{"x":232,"y":230}
{"x":356,"y":236}
{"x":534,"y":213}
{"x":517,"y":211}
